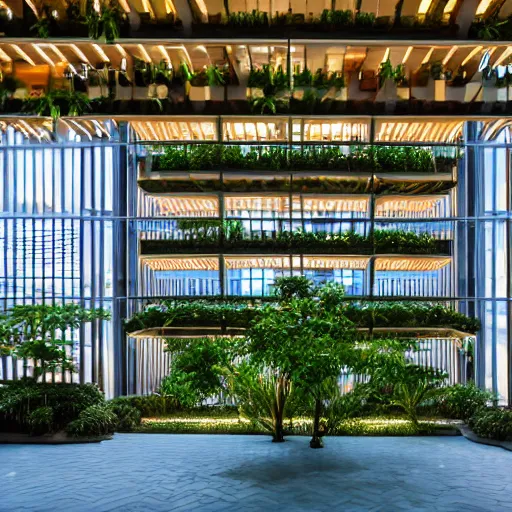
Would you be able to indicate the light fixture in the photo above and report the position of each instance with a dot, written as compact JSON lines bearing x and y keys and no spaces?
{"x":123,"y":65}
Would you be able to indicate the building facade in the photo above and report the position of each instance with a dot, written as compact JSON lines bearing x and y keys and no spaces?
{"x":395,"y":184}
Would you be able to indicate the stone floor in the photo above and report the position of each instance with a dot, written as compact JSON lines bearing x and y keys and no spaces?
{"x":209,"y":473}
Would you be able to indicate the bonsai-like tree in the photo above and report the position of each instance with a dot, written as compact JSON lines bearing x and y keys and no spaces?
{"x":41,"y":332}
{"x":307,"y":339}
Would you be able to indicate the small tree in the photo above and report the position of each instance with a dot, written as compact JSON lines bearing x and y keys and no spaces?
{"x":39,"y":332}
{"x":307,"y":339}
{"x":198,"y":369}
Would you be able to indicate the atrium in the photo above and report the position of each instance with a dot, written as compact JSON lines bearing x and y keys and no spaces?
{"x":168,"y":166}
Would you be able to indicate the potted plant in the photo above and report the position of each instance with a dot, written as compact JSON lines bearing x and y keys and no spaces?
{"x":495,"y":84}
{"x":387,"y":87}
{"x":97,"y":83}
{"x":178,"y":82}
{"x":258,"y":79}
{"x":217,"y":80}
{"x":198,"y":88}
{"x":302,"y":82}
{"x":402,"y":84}
{"x":439,"y":75}
{"x":159,"y":78}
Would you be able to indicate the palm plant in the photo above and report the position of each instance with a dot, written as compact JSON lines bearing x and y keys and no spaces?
{"x":262,"y":398}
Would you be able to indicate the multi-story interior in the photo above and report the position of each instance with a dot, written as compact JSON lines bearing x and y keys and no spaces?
{"x":204,"y":163}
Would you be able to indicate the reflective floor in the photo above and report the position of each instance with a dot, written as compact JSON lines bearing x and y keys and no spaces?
{"x":193,"y":472}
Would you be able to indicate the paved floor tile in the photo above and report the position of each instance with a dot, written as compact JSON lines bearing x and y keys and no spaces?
{"x":164,"y":473}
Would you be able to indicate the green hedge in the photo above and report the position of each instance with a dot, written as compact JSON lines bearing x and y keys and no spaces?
{"x":238,"y":313}
{"x":275,"y":158}
{"x":20,"y":399}
{"x":382,"y":242}
{"x":492,"y":423}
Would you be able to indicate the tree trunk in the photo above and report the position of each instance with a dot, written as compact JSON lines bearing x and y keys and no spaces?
{"x":316,"y":441}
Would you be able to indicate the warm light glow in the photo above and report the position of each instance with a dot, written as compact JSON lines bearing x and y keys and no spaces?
{"x":428,"y":55}
{"x":450,"y":6}
{"x":407,"y":54}
{"x":308,"y":262}
{"x":121,"y":51}
{"x":386,"y":55}
{"x":4,"y":57}
{"x":43,"y":54}
{"x":471,"y":54}
{"x":165,"y":54}
{"x":503,"y":56}
{"x":450,"y":54}
{"x":145,"y":54}
{"x":169,"y":7}
{"x":169,"y":264}
{"x":482,"y":7}
{"x":100,"y":52}
{"x":148,"y":8}
{"x":411,"y":263}
{"x":22,"y":54}
{"x":79,"y":53}
{"x":405,"y":205}
{"x":424,"y":6}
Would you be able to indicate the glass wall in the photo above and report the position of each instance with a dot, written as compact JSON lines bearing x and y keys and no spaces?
{"x":90,"y":218}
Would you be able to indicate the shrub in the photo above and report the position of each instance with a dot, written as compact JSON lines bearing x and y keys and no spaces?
{"x":148,"y":406}
{"x":97,"y":420}
{"x":41,"y":421}
{"x":492,"y":424}
{"x":19,"y":398}
{"x":462,"y":402}
{"x":128,"y":417}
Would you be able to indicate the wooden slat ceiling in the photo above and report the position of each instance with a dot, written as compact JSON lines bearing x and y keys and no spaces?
{"x":382,"y":263}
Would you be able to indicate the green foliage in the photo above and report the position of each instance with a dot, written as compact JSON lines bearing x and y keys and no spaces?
{"x":341,"y":407}
{"x":201,"y":426}
{"x":197,"y":370}
{"x":262,"y":397}
{"x":41,"y":28}
{"x":236,"y":313}
{"x":20,"y":398}
{"x":40,"y":332}
{"x":463,"y":401}
{"x":394,"y":377}
{"x":58,"y":102}
{"x":492,"y":423}
{"x":361,"y":159}
{"x":128,"y":417}
{"x":41,"y":421}
{"x":293,"y":287}
{"x":306,"y":340}
{"x":244,"y":20}
{"x":96,"y":420}
{"x":204,"y":235}
{"x":148,"y":406}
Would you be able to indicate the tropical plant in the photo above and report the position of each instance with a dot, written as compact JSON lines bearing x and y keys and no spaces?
{"x":128,"y":417}
{"x":96,"y":420}
{"x":42,"y":27}
{"x":41,"y":332}
{"x":41,"y":420}
{"x":399,"y":76}
{"x":463,"y":401}
{"x":492,"y":423}
{"x":307,"y":341}
{"x":74,"y":103}
{"x":198,"y":369}
{"x":8,"y":85}
{"x":490,"y":29}
{"x":302,"y":78}
{"x":216,"y":77}
{"x":340,"y":407}
{"x":386,"y":71}
{"x":262,"y":397}
{"x":393,"y":377}
{"x":19,"y":399}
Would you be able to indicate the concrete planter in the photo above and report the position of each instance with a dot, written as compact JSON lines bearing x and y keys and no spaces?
{"x":217,"y":93}
{"x":199,"y":93}
{"x":388,"y":92}
{"x":440,"y":90}
{"x":57,"y":438}
{"x":94,"y":91}
{"x":403,"y":93}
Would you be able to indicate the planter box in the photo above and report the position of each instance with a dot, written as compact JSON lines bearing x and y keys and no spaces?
{"x":492,"y":94}
{"x":388,"y":92}
{"x":57,"y":438}
{"x":199,"y":93}
{"x":217,"y":93}
{"x":403,"y":93}
{"x":237,"y":93}
{"x":440,"y":90}
{"x":94,"y":91}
